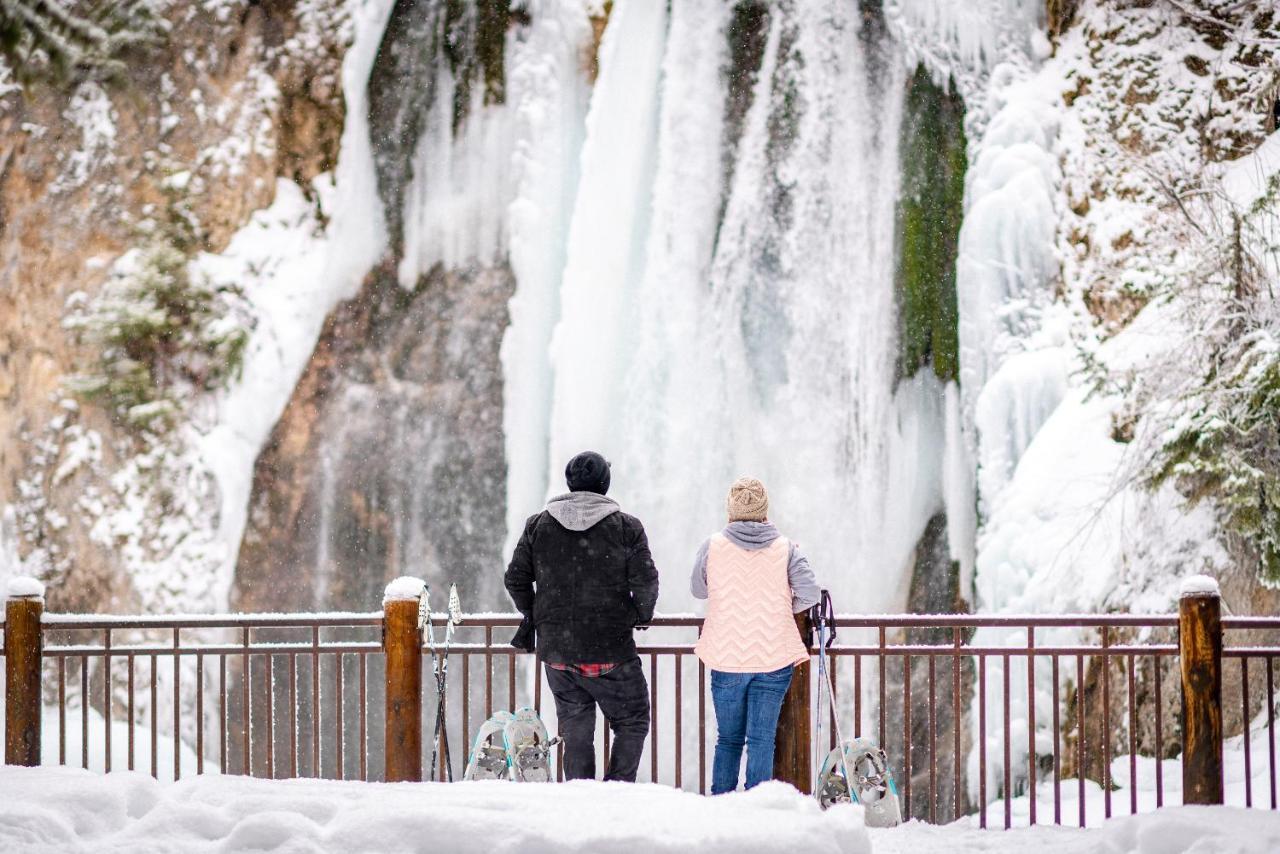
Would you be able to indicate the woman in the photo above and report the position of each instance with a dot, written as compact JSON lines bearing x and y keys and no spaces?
{"x":755,"y":580}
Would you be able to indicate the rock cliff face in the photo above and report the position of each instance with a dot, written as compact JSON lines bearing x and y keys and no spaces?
{"x":389,"y":459}
{"x":232,"y":99}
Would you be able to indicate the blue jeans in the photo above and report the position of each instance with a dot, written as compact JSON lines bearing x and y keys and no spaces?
{"x":747,"y":707}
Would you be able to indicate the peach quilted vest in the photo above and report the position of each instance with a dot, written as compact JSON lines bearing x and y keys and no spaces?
{"x":749,"y":626}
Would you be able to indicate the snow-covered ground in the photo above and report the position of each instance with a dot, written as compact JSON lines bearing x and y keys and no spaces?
{"x":75,"y":753}
{"x":70,"y":810}
{"x":1174,"y":830}
{"x":1143,"y":783}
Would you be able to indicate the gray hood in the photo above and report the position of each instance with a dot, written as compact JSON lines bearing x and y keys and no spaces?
{"x":751,"y":535}
{"x":578,"y":511}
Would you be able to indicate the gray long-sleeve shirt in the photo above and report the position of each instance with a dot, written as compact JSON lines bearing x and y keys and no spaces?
{"x":756,"y":535}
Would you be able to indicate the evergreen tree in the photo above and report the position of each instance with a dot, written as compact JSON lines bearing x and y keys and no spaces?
{"x":69,"y":39}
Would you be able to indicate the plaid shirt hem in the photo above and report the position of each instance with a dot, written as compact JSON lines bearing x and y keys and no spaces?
{"x":590,"y":671}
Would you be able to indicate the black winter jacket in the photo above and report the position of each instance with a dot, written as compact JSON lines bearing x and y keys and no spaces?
{"x":582,"y":592}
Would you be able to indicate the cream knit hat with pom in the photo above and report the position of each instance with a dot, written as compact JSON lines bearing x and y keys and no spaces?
{"x":748,"y":501}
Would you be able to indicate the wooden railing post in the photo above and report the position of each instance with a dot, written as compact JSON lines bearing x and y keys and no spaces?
{"x":1200,"y":653}
{"x":402,"y":641}
{"x":23,"y":646}
{"x":792,"y":749}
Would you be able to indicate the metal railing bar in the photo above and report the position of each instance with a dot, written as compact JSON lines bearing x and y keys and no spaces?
{"x":1271,"y":728}
{"x":1130,"y":662}
{"x":1249,"y":651}
{"x":106,"y":700}
{"x":1057,"y":746}
{"x":246,"y":707}
{"x":224,"y":649}
{"x":982,"y":742}
{"x":702,"y":728}
{"x":906,"y":735}
{"x":1106,"y":723}
{"x":62,"y":711}
{"x":84,"y":712}
{"x":488,"y":672}
{"x":873,"y":621}
{"x":222,"y":714}
{"x":199,"y":716}
{"x":1155,"y":665}
{"x":339,"y":731}
{"x":1255,"y":622}
{"x":1082,"y":740}
{"x":653,"y":717}
{"x":364,"y":707}
{"x":293,"y":715}
{"x":1008,"y":771}
{"x":76,"y":622}
{"x":933,"y":744}
{"x":1244,"y":710}
{"x":326,"y":647}
{"x":155,"y":730}
{"x":315,"y":702}
{"x":129,"y":708}
{"x":1031,"y":723}
{"x":270,"y":717}
{"x":374,"y":618}
{"x":679,"y":722}
{"x":949,"y":650}
{"x":177,"y":706}
{"x":466,"y":704}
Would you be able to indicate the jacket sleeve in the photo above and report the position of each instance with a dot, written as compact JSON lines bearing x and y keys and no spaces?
{"x":519,"y":577}
{"x":805,"y":592}
{"x":698,"y":580}
{"x":642,"y":577}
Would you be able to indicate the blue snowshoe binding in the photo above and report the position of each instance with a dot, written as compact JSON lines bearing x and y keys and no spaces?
{"x":488,"y":760}
{"x":858,"y":772}
{"x":528,"y":748}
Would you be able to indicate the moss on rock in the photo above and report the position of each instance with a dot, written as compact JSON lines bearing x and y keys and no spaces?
{"x":929,"y":214}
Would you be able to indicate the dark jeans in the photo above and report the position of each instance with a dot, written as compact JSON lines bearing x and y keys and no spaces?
{"x":747,"y":707}
{"x":623,"y":697}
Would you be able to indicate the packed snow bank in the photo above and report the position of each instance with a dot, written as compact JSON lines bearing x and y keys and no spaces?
{"x":1173,"y":830}
{"x":95,"y":756}
{"x":69,"y":810}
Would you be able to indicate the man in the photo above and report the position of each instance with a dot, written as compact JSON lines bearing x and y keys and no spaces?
{"x":583,"y":578}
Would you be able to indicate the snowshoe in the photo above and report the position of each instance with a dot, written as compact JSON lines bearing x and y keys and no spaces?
{"x":869,"y":782}
{"x":832,"y":787}
{"x":872,"y":782}
{"x":488,"y":760}
{"x":528,"y":748}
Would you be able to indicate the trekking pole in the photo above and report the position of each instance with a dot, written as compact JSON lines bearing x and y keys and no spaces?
{"x":825,"y":619}
{"x":435,"y":672}
{"x":455,"y":618}
{"x":440,"y":669}
{"x":816,"y":748}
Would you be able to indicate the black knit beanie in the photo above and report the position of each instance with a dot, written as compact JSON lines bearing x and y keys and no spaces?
{"x":587,"y":472}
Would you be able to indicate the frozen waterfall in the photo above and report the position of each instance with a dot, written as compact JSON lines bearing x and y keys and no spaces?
{"x":680,"y":222}
{"x":695,"y":345}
